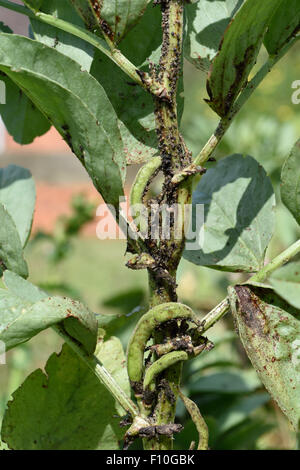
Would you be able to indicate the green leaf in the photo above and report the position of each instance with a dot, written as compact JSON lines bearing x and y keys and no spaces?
{"x":133,"y":105}
{"x":284,"y":24}
{"x":63,"y":42}
{"x":240,"y":410}
{"x":26,"y":311}
{"x":116,"y":16}
{"x":17,"y":194}
{"x":286,"y":282}
{"x":206,"y":22}
{"x":290,"y":182}
{"x":23,"y":121}
{"x":238,"y":203}
{"x":226,"y":383}
{"x":270,"y":332}
{"x":238,"y":52}
{"x":78,"y":107}
{"x":65,"y":408}
{"x":243,"y":436}
{"x":11,"y":249}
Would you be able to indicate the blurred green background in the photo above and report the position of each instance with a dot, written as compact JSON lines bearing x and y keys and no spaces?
{"x":239,"y":412}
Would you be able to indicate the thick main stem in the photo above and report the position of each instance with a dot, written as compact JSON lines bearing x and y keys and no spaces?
{"x":174,"y":157}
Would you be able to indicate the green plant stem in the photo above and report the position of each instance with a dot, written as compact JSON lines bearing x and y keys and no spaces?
{"x":277,"y":262}
{"x":174,"y":156}
{"x":111,"y":51}
{"x":225,"y":122}
{"x":220,"y":310}
{"x":215,"y":315}
{"x":101,"y":373}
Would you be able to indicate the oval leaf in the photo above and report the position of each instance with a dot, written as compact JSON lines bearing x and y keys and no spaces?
{"x":290,"y":182}
{"x":77,"y":107}
{"x":238,"y":203}
{"x":270,"y":332}
{"x":238,"y":53}
{"x":284,"y":24}
{"x":17,"y":194}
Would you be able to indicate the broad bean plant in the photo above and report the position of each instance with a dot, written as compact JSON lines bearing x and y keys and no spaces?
{"x":108,"y":75}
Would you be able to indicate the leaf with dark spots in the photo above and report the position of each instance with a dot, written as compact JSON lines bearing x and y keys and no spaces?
{"x":284,"y":25}
{"x":237,"y":53}
{"x":269,"y":329}
{"x":113,"y":17}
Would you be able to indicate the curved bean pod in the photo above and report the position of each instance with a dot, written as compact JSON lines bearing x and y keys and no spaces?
{"x":144,"y":330}
{"x":162,"y":364}
{"x":139,"y":187}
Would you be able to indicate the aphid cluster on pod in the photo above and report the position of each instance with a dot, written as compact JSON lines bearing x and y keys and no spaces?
{"x":144,"y":377}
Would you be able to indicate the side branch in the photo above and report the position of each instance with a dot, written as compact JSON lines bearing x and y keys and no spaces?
{"x":224,"y":124}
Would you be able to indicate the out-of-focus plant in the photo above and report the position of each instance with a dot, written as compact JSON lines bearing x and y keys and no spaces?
{"x":67,"y":227}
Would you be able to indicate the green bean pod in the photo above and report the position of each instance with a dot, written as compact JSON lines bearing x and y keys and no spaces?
{"x":144,"y":329}
{"x":139,"y":187}
{"x":160,"y":365}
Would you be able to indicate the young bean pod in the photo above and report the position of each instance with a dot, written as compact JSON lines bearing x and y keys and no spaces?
{"x":160,"y":365}
{"x":144,"y":329}
{"x":139,"y":188}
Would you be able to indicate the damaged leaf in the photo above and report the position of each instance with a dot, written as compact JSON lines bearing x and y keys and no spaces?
{"x":270,"y":332}
{"x":237,"y":53}
{"x":284,"y":24}
{"x":114,"y":17}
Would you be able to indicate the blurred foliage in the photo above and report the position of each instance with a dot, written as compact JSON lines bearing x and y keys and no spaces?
{"x":67,"y":227}
{"x":239,"y":412}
